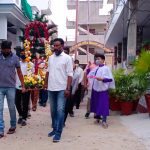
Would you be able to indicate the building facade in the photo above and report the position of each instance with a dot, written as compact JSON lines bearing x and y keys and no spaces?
{"x":90,"y":28}
{"x":13,"y":16}
{"x":127,"y":29}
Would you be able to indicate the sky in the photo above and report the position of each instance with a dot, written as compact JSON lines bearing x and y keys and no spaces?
{"x":59,"y":13}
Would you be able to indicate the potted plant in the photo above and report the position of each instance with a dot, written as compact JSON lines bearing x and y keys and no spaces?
{"x":139,"y":86}
{"x":124,"y":94}
{"x":129,"y":89}
{"x":142,"y":67}
{"x":114,"y":102}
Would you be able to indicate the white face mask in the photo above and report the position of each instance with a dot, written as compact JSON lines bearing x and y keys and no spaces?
{"x":97,"y":62}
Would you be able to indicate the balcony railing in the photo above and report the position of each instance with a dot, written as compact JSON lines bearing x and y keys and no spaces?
{"x":95,"y":19}
{"x":97,"y":38}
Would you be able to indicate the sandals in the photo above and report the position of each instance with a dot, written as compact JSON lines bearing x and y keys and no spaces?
{"x":104,"y":125}
{"x":34,"y":108}
{"x":11,"y":131}
{"x":1,"y":136}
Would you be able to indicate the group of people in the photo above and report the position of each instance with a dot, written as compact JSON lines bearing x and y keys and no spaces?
{"x":63,"y":86}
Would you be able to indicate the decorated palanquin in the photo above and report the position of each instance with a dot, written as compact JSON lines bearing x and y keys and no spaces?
{"x":32,"y":80}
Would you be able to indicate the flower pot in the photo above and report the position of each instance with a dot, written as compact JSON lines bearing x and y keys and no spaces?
{"x":114,"y":104}
{"x":135,"y":104}
{"x":126,"y":108}
{"x":147,"y":98}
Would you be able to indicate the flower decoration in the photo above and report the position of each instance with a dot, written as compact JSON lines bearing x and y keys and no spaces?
{"x":48,"y":52}
{"x":33,"y":81}
{"x":27,"y":50}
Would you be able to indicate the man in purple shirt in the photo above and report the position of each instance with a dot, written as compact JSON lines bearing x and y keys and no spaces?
{"x":9,"y":64}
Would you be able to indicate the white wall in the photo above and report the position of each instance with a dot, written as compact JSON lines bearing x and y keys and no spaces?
{"x":13,"y":38}
{"x":94,"y":16}
{"x":3,"y":27}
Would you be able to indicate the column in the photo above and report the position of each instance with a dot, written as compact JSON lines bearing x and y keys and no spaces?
{"x":132,"y":32}
{"x":3,"y":27}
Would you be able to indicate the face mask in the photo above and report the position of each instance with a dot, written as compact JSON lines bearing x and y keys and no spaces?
{"x":57,"y":52}
{"x":23,"y":57}
{"x":97,"y":62}
{"x":6,"y":54}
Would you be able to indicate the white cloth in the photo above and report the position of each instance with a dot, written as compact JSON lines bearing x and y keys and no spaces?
{"x":103,"y":72}
{"x":23,"y":66}
{"x":59,"y":68}
{"x":75,"y":82}
{"x":90,"y":80}
{"x":80,"y":71}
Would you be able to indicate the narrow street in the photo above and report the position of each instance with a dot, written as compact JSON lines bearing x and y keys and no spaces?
{"x":124,"y":133}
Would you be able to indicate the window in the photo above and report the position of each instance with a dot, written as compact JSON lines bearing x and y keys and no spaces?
{"x":92,"y":31}
{"x":91,"y":50}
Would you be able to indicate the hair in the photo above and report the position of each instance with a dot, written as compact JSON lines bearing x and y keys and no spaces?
{"x":99,"y":55}
{"x":6,"y":44}
{"x":60,"y":40}
{"x":66,"y":48}
{"x":76,"y":61}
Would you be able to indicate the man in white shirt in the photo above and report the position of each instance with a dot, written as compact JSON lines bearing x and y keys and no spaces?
{"x":78,"y":93}
{"x":58,"y":81}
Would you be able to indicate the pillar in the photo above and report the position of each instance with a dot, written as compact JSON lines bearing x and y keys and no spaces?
{"x":132,"y":32}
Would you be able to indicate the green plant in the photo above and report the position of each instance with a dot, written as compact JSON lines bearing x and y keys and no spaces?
{"x":117,"y":74}
{"x":129,"y":87}
{"x":142,"y":67}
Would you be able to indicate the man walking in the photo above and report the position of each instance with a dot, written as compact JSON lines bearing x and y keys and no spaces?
{"x":58,"y":80}
{"x":22,"y":99}
{"x":9,"y":63}
{"x":78,"y":93}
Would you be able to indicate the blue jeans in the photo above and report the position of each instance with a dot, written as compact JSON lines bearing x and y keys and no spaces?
{"x":43,"y":96}
{"x":10,"y":96}
{"x":57,"y":107}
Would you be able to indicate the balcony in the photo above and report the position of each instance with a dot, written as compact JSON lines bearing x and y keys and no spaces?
{"x":17,"y":2}
{"x":70,"y":24}
{"x":71,"y":4}
{"x":95,"y":19}
{"x":97,"y":38}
